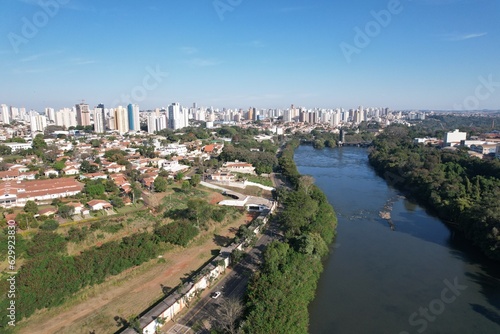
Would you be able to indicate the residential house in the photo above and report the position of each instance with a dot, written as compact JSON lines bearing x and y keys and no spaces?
{"x":239,"y":167}
{"x":99,"y":204}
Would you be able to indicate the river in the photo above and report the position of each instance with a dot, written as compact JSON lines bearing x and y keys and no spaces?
{"x":416,"y":277}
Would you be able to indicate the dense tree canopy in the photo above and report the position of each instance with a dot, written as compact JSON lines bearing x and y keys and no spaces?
{"x":460,"y":189}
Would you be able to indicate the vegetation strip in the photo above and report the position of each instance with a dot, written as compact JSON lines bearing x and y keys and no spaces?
{"x":278,"y":295}
{"x":461,"y":190}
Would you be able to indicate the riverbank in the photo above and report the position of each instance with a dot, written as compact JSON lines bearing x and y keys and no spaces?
{"x":463,"y":191}
{"x":375,"y":279}
{"x":279,"y":294}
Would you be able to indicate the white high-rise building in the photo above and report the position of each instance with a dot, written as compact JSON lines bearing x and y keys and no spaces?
{"x":5,"y":114}
{"x":178,"y":117}
{"x":99,"y":125}
{"x":65,"y":117}
{"x":14,"y":112}
{"x":161,"y":122}
{"x":151,"y":119}
{"x":50,"y":114}
{"x":38,"y":123}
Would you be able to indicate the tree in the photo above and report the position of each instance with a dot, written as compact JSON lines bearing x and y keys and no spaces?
{"x":306,"y":182}
{"x":5,"y":150}
{"x":160,"y":184}
{"x":49,"y":225}
{"x":66,"y":211}
{"x":117,"y":202}
{"x":39,"y":143}
{"x":87,"y":167}
{"x":179,"y":176}
{"x":136,"y":191}
{"x":198,"y":210}
{"x":59,"y":165}
{"x":229,"y":313}
{"x":195,"y":180}
{"x":31,"y":207}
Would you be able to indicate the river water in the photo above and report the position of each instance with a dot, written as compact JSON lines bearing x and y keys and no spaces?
{"x":416,"y":277}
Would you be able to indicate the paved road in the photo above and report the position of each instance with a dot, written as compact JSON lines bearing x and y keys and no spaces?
{"x":233,"y":285}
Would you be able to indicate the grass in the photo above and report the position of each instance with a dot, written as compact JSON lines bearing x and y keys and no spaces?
{"x":265,"y":181}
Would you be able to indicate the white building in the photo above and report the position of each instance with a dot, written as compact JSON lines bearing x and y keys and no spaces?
{"x":178,"y":117}
{"x":65,"y":117}
{"x":38,"y":123}
{"x":99,"y":118}
{"x":4,"y":112}
{"x":18,"y":146}
{"x":454,"y":138}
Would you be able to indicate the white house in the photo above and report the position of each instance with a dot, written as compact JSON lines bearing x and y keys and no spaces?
{"x":239,"y":167}
{"x":99,"y":204}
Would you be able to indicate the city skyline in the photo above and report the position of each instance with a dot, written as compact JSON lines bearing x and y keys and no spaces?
{"x":240,"y":54}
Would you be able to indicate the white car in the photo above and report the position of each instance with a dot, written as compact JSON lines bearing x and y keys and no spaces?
{"x":215,"y":295}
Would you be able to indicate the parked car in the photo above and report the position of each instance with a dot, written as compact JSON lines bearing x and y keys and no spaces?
{"x":215,"y":294}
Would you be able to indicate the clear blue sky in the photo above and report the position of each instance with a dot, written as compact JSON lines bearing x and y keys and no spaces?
{"x":430,"y":54}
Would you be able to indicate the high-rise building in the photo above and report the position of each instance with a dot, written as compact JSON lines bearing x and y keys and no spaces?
{"x":99,"y":120}
{"x":38,"y":123}
{"x":82,"y":114}
{"x":5,"y":114}
{"x":14,"y":112}
{"x":151,"y":119}
{"x":121,"y":120}
{"x":50,"y":114}
{"x":178,"y":117}
{"x":134,"y":122}
{"x":102,"y":116}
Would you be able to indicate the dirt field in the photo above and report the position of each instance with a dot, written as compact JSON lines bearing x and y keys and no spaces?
{"x":99,"y":309}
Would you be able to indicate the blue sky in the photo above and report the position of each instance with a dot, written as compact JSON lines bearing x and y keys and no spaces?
{"x":426,"y":54}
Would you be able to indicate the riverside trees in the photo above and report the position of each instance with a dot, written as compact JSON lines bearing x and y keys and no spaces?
{"x":279,"y":294}
{"x":460,"y":189}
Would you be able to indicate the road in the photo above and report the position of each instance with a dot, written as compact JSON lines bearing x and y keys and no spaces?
{"x":204,"y":314}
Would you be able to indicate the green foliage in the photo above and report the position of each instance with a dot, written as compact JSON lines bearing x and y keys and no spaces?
{"x":178,"y":233}
{"x":111,"y":228}
{"x":459,"y":188}
{"x":195,"y":180}
{"x":59,"y":165}
{"x":25,"y":220}
{"x":87,"y":167}
{"x":49,"y":225}
{"x":94,"y":188}
{"x":5,"y":150}
{"x":278,"y":296}
{"x":76,"y":234}
{"x":49,"y":277}
{"x":46,"y":242}
{"x":31,"y":207}
{"x":115,"y":155}
{"x":160,"y":184}
{"x":66,"y":211}
{"x":117,"y":202}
